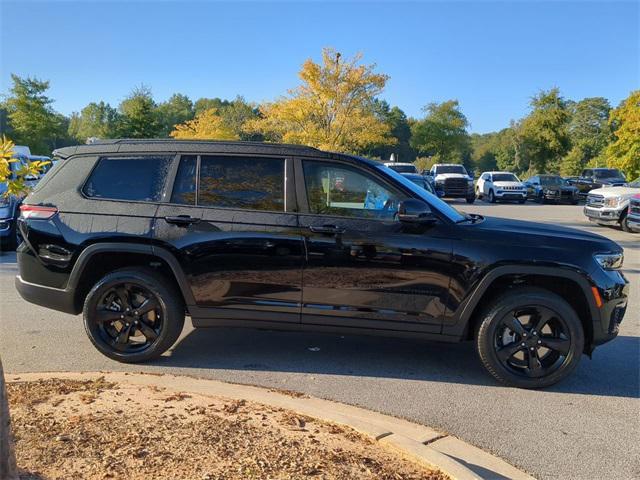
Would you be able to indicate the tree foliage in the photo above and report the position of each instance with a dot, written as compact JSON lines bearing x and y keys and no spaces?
{"x":177,"y":109}
{"x":16,"y":180}
{"x":208,"y":125}
{"x":624,"y":151}
{"x":332,"y":109}
{"x":442,"y":133}
{"x":99,"y":120}
{"x":32,"y":120}
{"x":138,"y":115}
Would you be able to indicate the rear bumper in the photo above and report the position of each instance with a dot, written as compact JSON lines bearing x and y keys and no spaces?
{"x":54,"y":298}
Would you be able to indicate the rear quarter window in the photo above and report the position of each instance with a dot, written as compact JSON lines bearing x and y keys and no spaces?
{"x":128,"y":178}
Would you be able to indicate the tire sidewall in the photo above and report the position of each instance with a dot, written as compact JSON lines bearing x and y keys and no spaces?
{"x":487,"y":331}
{"x":172,"y":316}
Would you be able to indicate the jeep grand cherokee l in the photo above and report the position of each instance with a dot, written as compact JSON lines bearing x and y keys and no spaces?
{"x":137,"y":234}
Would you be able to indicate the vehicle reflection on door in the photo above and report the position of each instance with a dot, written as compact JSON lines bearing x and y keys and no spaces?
{"x":373,"y":274}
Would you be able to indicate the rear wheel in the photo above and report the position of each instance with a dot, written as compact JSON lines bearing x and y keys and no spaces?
{"x":133,"y":315}
{"x":530,"y":338}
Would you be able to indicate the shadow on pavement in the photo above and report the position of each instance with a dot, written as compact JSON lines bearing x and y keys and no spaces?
{"x":612,"y":372}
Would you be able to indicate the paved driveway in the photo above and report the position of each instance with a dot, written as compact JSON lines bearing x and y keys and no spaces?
{"x":585,"y":428}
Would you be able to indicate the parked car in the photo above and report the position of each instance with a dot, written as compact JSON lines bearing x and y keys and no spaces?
{"x":10,"y":204}
{"x":593,"y":178}
{"x":136,"y":234}
{"x":609,"y":206}
{"x":494,"y":186}
{"x":422,"y":181}
{"x":633,"y":214}
{"x":551,"y":188}
{"x":453,"y":180}
{"x":401,"y":167}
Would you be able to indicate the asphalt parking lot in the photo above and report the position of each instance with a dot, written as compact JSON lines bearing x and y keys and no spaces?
{"x":588,"y":427}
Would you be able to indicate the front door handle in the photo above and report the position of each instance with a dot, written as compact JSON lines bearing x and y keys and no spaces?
{"x":329,"y":229}
{"x":182,"y":220}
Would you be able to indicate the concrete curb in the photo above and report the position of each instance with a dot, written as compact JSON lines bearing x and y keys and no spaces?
{"x":454,"y":457}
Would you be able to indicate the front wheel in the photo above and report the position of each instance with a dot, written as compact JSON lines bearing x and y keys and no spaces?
{"x":471,"y":199}
{"x":624,"y":224}
{"x":522,"y":200}
{"x":133,"y":315}
{"x":529,"y":338}
{"x":492,"y":197}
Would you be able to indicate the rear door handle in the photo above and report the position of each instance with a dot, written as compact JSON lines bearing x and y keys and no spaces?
{"x":330,"y":229}
{"x":182,"y":220}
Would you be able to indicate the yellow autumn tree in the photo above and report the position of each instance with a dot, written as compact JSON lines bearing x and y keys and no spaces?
{"x":624,"y":151}
{"x":332,"y":109}
{"x":208,"y":125}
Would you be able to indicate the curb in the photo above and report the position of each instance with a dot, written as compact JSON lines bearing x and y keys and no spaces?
{"x":458,"y":459}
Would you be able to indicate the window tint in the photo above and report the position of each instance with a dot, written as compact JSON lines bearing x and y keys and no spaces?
{"x":184,"y":186}
{"x":128,"y":178}
{"x":336,"y":190}
{"x":242,"y":182}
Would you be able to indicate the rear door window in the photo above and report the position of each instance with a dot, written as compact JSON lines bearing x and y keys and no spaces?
{"x":129,"y":178}
{"x":251,"y":183}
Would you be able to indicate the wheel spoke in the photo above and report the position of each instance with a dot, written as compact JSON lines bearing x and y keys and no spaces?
{"x":559,"y":345}
{"x":506,"y":352}
{"x":540,"y":320}
{"x":534,"y":366}
{"x":148,"y":305}
{"x":104,"y":315}
{"x":123,"y":335}
{"x":149,"y":333}
{"x":123,"y":295}
{"x":514,"y":324}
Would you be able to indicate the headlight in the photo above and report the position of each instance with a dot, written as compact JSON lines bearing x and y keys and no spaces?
{"x":611,"y":201}
{"x":609,"y":261}
{"x":470,"y":181}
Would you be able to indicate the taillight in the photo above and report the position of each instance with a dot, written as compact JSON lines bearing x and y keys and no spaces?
{"x":36,"y":212}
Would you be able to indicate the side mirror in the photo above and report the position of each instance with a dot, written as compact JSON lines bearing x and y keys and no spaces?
{"x":415,"y":211}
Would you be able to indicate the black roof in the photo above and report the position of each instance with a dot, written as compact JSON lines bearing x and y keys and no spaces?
{"x":196,"y":147}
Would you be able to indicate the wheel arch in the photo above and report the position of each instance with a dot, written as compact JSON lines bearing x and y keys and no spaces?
{"x":98,"y":259}
{"x":573,"y":287}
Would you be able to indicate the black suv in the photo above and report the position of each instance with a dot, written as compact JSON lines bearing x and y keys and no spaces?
{"x":136,"y":234}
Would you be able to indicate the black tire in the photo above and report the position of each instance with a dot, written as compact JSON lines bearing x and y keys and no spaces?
{"x":522,"y":200}
{"x":524,"y":368}
{"x":541,"y":199}
{"x":491,"y":197}
{"x":624,"y":225}
{"x":160,"y":327}
{"x":471,"y":199}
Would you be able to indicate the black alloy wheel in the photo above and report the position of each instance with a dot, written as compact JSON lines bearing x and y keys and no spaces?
{"x":532,"y":341}
{"x":133,"y":315}
{"x":530,"y":338}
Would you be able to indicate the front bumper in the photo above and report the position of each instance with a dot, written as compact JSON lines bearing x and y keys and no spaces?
{"x":633,"y":221}
{"x":606,"y":216}
{"x":613,"y":289}
{"x":510,"y":195}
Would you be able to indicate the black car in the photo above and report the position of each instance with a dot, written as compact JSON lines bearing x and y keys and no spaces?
{"x":136,"y":234}
{"x":592,"y":178}
{"x":551,"y":188}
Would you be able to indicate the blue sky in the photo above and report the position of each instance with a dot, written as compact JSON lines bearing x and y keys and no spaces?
{"x":491,"y":56}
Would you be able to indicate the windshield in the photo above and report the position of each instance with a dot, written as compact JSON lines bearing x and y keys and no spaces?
{"x":404,"y":168}
{"x":450,"y":169}
{"x":433,"y":201}
{"x":421,"y":182}
{"x":635,"y":183}
{"x":505,"y":177}
{"x":608,"y":173}
{"x":550,"y":181}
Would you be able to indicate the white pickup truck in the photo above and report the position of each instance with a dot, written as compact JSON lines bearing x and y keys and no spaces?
{"x":610,"y":205}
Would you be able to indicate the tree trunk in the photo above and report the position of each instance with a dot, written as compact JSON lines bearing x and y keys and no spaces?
{"x":8,"y":469}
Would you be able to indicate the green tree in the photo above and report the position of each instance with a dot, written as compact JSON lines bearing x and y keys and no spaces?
{"x":98,"y":120}
{"x":589,"y":133}
{"x":400,"y":130}
{"x":178,"y":109}
{"x":31,"y":119}
{"x":442,"y":133}
{"x":624,"y":151}
{"x":545,"y":132}
{"x":138,"y":117}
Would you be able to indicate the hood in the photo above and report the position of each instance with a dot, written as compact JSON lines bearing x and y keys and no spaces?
{"x":610,"y":180}
{"x":444,"y":176}
{"x":508,"y":184}
{"x":615,"y":191}
{"x":544,"y":235}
